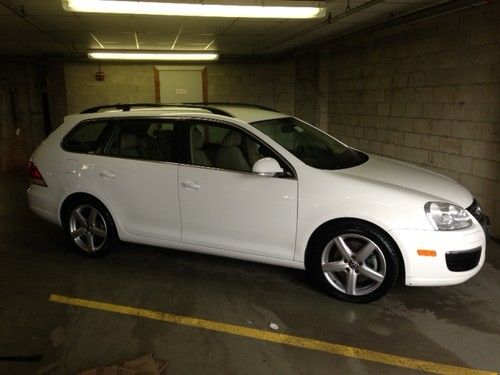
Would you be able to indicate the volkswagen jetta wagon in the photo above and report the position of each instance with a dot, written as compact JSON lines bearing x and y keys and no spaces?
{"x":251,"y":183}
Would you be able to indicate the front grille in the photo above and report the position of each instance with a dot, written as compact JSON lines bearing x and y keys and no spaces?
{"x":459,"y":261}
{"x":475,"y":210}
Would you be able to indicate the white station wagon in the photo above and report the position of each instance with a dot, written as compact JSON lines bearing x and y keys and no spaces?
{"x":250,"y":183}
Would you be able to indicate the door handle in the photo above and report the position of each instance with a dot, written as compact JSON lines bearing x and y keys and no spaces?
{"x":107,"y":174}
{"x":191,"y":185}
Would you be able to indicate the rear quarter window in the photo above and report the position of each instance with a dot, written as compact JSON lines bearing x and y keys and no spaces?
{"x":86,"y":137}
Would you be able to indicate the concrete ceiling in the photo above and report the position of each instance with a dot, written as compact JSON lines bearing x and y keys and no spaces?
{"x":36,"y":27}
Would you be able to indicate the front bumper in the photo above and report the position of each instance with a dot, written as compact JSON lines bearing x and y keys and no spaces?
{"x":476,"y":211}
{"x":460,"y":255}
{"x":485,"y":223}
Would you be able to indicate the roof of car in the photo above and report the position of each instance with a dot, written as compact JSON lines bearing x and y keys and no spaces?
{"x":244,"y":112}
{"x":249,"y":113}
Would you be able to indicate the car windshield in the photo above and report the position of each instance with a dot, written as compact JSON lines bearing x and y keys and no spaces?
{"x":310,"y":145}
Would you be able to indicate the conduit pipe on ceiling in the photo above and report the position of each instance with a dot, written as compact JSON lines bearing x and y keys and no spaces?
{"x":349,"y":11}
{"x":403,"y":20}
{"x":19,"y":11}
{"x":409,"y":18}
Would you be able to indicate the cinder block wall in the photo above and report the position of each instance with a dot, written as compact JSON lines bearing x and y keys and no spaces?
{"x":269,"y":84}
{"x":21,"y":113}
{"x":123,"y":83}
{"x":429,"y":95}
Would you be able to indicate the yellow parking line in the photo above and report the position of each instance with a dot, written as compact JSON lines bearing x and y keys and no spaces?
{"x":280,"y":338}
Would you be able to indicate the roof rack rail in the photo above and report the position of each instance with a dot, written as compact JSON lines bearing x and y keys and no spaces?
{"x":127,"y":107}
{"x":119,"y":106}
{"x":235,"y":104}
{"x":208,"y":106}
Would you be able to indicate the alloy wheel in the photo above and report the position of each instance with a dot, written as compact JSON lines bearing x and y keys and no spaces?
{"x":353,"y":264}
{"x":88,"y":228}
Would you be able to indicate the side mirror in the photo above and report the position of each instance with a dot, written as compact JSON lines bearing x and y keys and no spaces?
{"x":267,"y":167}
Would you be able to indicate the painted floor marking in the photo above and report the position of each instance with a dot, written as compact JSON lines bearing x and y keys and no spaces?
{"x":279,"y":338}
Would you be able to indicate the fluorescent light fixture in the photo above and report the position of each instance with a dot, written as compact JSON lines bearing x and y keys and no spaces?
{"x":192,"y":10}
{"x":126,"y":55}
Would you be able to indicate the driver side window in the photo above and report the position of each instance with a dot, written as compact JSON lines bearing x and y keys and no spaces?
{"x":219,"y":146}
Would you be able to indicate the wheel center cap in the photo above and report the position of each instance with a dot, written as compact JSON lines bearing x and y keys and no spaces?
{"x":353,"y":264}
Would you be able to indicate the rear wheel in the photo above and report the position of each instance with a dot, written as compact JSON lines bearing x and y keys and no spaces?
{"x":354,"y":261}
{"x":90,"y":228}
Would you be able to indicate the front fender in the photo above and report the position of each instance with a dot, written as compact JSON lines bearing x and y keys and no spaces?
{"x":328,"y":196}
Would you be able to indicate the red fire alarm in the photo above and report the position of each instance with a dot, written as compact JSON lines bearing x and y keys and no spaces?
{"x":99,"y":76}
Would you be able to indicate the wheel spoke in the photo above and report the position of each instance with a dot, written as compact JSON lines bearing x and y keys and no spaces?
{"x":90,"y":241}
{"x":79,"y":217}
{"x":350,"y":287}
{"x":365,"y":251}
{"x":92,"y":216}
{"x":345,"y":251}
{"x":77,"y":233}
{"x":371,"y":274}
{"x":337,"y":266}
{"x":99,"y":232}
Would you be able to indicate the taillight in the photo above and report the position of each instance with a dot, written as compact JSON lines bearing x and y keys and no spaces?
{"x":35,"y":176}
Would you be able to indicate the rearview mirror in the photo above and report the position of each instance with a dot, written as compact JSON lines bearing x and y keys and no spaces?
{"x":267,"y":167}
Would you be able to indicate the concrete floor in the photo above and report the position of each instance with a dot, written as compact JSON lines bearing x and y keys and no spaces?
{"x":456,"y":325}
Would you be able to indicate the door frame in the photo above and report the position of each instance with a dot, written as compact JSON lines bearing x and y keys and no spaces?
{"x":200,"y":68}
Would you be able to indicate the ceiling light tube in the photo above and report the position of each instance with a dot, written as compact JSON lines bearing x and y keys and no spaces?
{"x":126,"y":55}
{"x":192,"y":10}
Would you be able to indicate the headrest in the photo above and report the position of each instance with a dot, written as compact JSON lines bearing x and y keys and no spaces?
{"x":146,"y":142}
{"x":197,"y":139}
{"x":163,"y":135}
{"x":232,"y":139}
{"x":128,"y":140}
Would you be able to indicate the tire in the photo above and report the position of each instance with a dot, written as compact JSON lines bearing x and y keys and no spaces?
{"x":89,"y":227}
{"x":353,"y":261}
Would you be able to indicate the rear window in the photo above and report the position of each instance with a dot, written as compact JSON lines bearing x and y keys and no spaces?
{"x":85,"y":137}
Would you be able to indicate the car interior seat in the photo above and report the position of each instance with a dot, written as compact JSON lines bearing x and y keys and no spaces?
{"x":229,"y":155}
{"x":198,"y":156}
{"x":164,"y":140}
{"x":129,"y":145}
{"x":252,"y":150}
{"x":149,"y":148}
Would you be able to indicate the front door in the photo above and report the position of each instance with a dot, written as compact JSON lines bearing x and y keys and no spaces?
{"x":224,"y":205}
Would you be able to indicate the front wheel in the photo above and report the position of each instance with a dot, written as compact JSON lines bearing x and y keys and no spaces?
{"x":90,"y":228}
{"x":354,"y":261}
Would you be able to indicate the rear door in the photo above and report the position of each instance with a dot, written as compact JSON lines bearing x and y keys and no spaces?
{"x":137,"y":174}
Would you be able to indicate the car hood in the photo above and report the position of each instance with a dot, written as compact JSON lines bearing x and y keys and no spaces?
{"x":399,"y":175}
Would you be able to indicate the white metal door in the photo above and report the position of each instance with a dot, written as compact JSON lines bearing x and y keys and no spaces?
{"x":181,"y":86}
{"x":238,"y":211}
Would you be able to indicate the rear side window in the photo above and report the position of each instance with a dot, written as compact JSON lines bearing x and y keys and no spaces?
{"x":144,"y":139}
{"x":85,"y":137}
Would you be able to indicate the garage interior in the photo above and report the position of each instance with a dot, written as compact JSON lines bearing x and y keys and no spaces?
{"x":414,"y":80}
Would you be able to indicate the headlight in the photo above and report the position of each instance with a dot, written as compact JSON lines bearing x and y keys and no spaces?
{"x":447,"y":216}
